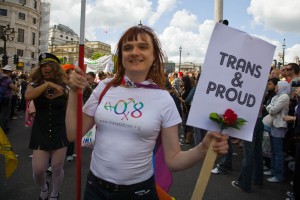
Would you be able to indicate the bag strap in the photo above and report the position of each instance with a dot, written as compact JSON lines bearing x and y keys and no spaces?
{"x":104,"y":91}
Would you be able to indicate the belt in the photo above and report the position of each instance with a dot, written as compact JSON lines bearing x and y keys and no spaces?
{"x":119,"y":188}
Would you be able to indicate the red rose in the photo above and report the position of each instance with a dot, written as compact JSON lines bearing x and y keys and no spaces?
{"x":230,"y":117}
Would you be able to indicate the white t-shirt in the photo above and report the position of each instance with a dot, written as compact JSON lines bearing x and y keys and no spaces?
{"x":128,"y":122}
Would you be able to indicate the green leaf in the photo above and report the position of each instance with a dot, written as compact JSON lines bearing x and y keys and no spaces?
{"x":241,"y":121}
{"x":215,"y":117}
{"x":236,"y":126}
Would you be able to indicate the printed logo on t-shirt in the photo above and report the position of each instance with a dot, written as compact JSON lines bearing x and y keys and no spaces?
{"x":126,"y":108}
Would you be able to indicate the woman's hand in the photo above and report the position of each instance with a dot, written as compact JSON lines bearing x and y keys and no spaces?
{"x":58,"y":88}
{"x":289,"y":118}
{"x":221,"y":145}
{"x":77,"y":79}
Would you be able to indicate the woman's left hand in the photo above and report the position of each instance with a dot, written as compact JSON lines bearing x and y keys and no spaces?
{"x":77,"y":79}
{"x":58,"y":88}
{"x":221,"y":145}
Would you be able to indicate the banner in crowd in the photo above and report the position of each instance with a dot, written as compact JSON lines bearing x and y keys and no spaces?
{"x":234,"y":76}
{"x":103,"y":63}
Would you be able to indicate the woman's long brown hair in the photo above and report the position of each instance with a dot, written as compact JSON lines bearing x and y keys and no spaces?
{"x":59,"y":76}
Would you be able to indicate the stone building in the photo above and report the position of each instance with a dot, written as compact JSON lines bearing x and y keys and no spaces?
{"x":25,"y":17}
{"x":64,"y":43}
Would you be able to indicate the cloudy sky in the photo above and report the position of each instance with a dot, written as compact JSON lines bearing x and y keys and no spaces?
{"x":185,"y":23}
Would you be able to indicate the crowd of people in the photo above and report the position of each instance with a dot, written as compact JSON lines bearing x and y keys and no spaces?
{"x":133,"y":108}
{"x":278,"y":123}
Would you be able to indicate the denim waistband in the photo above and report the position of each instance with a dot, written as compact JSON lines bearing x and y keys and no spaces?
{"x":118,"y":188}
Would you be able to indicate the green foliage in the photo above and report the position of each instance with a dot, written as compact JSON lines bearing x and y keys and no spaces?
{"x":97,"y":55}
{"x":61,"y":60}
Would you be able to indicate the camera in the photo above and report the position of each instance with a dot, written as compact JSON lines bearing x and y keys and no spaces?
{"x":295,"y":83}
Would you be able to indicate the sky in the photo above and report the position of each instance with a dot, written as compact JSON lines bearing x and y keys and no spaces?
{"x":184,"y":23}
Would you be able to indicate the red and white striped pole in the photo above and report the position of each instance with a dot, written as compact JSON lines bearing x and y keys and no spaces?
{"x":79,"y":105}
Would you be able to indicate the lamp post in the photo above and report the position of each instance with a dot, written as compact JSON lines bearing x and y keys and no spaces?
{"x":8,"y":35}
{"x":52,"y":41}
{"x":279,"y":63}
{"x":180,"y":49}
{"x":275,"y":64}
{"x":283,"y":49}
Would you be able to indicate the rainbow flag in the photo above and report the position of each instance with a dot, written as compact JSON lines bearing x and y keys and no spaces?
{"x":162,"y":174}
{"x":162,"y":194}
{"x":11,"y":161}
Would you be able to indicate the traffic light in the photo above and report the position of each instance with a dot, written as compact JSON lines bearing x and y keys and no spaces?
{"x":16,"y":59}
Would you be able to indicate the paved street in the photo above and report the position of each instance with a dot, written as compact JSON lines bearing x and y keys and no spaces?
{"x":21,"y":185}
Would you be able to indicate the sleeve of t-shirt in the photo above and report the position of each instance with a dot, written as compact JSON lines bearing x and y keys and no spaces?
{"x":170,"y":114}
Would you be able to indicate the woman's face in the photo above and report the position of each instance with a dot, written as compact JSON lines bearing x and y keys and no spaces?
{"x":274,"y":73}
{"x":271,"y":86}
{"x":137,"y":55}
{"x":46,"y":71}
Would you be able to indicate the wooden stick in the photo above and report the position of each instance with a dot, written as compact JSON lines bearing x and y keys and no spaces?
{"x":204,"y":175}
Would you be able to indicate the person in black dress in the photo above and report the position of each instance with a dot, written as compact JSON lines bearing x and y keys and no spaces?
{"x":48,"y":90}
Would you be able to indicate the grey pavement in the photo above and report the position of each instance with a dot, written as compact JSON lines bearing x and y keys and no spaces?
{"x":21,"y":185}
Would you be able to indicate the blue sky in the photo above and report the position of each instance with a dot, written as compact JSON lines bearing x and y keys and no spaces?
{"x":185,"y":23}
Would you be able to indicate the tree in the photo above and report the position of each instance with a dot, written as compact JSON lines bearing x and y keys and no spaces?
{"x":97,"y":55}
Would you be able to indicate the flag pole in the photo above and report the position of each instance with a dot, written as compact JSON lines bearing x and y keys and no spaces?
{"x":79,"y":104}
{"x":205,"y":172}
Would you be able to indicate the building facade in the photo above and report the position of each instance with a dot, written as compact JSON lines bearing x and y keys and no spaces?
{"x":61,"y":34}
{"x":68,"y":52}
{"x":64,"y":43}
{"x":25,"y":17}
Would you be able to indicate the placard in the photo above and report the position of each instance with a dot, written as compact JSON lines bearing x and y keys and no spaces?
{"x":234,"y":75}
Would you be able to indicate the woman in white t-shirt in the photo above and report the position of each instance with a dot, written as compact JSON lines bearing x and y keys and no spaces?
{"x":129,"y":118}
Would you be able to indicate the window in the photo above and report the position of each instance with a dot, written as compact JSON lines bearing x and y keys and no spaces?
{"x":71,"y":39}
{"x":3,"y":12}
{"x":20,"y":52}
{"x":61,"y":36}
{"x":22,"y":16}
{"x":67,"y":37}
{"x":32,"y":55}
{"x":23,"y":2}
{"x":34,"y":20}
{"x":35,"y":4}
{"x":20,"y":35}
{"x":33,"y":39}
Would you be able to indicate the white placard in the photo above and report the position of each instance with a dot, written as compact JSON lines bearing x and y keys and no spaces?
{"x":234,"y":75}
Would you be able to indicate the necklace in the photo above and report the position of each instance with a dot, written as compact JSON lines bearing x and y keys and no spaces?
{"x":145,"y":84}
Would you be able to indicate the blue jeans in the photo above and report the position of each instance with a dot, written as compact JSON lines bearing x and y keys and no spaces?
{"x":296,"y":184}
{"x":141,"y":191}
{"x":199,"y":134}
{"x":277,"y":159}
{"x":252,"y":164}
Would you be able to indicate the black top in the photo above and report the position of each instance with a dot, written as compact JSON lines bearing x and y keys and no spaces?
{"x":49,"y":128}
